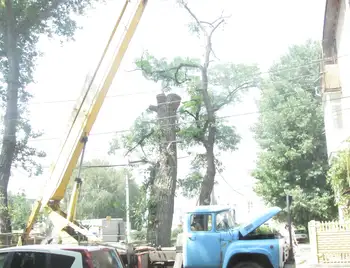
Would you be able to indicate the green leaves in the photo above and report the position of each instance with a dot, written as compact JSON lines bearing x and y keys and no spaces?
{"x":103,"y":192}
{"x":173,"y":73}
{"x":227,"y":82}
{"x":339,"y":178}
{"x":290,"y":133}
{"x":19,"y":210}
{"x":190,"y":185}
{"x":142,"y":139}
{"x":32,"y":20}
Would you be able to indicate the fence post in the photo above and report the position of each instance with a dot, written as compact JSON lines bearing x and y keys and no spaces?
{"x":313,"y":241}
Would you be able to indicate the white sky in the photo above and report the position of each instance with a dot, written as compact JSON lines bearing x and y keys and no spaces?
{"x":258,"y":31}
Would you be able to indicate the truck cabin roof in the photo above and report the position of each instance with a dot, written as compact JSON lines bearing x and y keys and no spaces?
{"x":208,"y":209}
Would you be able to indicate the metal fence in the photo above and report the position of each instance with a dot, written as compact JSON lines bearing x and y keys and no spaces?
{"x":11,"y":239}
{"x":330,"y":242}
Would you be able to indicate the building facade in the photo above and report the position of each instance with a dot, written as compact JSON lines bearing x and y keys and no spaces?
{"x":336,"y":78}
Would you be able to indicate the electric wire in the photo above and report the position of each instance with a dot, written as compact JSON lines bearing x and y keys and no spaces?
{"x":198,"y":121}
{"x":257,"y":75}
{"x":220,"y":117}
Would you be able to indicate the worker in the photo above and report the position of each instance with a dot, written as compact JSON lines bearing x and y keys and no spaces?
{"x":196,"y":224}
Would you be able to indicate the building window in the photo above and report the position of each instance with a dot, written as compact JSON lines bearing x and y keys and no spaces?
{"x":337,"y":112}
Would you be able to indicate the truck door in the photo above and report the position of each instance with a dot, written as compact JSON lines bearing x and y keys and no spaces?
{"x":224,"y":223}
{"x":202,"y":243}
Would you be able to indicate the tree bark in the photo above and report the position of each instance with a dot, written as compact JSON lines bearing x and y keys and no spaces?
{"x":210,"y":126}
{"x":152,"y":206}
{"x":11,"y":115}
{"x":163,"y":193}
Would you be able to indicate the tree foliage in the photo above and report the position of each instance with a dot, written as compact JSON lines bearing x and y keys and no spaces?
{"x":290,"y":133}
{"x":339,"y":178}
{"x":22,"y":24}
{"x":209,"y":89}
{"x":19,"y":210}
{"x":103,"y":192}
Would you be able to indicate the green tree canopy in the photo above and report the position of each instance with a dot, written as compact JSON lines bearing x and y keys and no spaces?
{"x":339,"y":179}
{"x":103,"y":192}
{"x":290,"y":133}
{"x":227,"y":82}
{"x":22,"y":24}
{"x":19,"y":209}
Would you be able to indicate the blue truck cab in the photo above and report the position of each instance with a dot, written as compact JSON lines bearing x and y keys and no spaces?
{"x":211,"y":238}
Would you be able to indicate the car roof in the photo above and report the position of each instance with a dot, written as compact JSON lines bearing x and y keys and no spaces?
{"x":54,"y":247}
{"x":208,"y":209}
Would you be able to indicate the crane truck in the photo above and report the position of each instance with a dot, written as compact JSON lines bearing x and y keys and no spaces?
{"x":219,"y":244}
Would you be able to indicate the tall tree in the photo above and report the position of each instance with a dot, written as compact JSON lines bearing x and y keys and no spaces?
{"x":209,"y":89}
{"x":159,"y":137}
{"x":339,"y":178}
{"x":290,"y":133}
{"x":103,"y":192}
{"x":21,"y":25}
{"x":19,"y":209}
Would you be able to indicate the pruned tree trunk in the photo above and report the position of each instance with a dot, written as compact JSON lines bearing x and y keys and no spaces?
{"x":11,"y":115}
{"x":209,"y":177}
{"x":163,"y":190}
{"x":152,"y":206}
{"x":210,"y":125}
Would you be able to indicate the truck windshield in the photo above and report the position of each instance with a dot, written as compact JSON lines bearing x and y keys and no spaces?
{"x":224,"y":221}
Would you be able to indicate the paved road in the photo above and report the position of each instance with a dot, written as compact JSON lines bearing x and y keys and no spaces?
{"x":302,"y":256}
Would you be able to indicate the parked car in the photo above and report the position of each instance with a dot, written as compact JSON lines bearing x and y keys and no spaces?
{"x":60,"y":256}
{"x":301,"y":235}
{"x":39,"y":256}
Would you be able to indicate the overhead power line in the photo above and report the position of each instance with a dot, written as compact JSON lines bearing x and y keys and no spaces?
{"x":276,"y":71}
{"x":229,"y":185}
{"x":126,"y":164}
{"x":194,"y":122}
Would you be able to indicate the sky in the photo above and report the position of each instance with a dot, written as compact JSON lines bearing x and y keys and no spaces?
{"x":257,"y":32}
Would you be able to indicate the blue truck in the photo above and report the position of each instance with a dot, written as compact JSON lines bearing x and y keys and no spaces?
{"x":211,"y":238}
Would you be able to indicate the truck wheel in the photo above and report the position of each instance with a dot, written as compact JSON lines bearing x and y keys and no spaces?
{"x":247,"y":264}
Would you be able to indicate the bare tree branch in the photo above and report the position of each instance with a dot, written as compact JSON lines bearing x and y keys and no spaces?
{"x":193,"y":16}
{"x":215,"y":27}
{"x":140,"y":142}
{"x":232,"y":94}
{"x":221,"y":17}
{"x":190,"y":114}
{"x":185,"y":65}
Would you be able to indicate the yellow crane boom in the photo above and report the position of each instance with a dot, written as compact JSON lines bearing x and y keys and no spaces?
{"x":84,"y":116}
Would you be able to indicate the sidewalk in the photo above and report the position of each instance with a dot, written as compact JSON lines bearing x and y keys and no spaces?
{"x":303,"y":257}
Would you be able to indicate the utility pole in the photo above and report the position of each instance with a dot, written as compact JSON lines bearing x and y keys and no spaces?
{"x":291,"y":258}
{"x":128,"y":225}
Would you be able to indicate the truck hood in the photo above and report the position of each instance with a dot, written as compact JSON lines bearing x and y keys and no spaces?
{"x":258,"y":221}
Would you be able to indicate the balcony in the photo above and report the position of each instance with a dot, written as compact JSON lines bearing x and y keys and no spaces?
{"x":331,"y":79}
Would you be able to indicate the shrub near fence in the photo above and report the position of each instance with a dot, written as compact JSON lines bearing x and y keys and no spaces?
{"x":330,"y":242}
